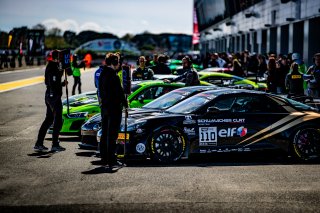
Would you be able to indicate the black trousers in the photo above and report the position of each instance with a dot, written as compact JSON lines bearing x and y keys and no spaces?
{"x":110,"y":127}
{"x":53,"y":115}
{"x":77,"y":81}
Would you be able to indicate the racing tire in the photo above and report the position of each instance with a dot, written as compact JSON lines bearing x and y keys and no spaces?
{"x":306,"y":144}
{"x":167,"y":145}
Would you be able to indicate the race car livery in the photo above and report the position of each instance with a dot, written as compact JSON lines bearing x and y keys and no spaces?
{"x":89,"y":129}
{"x":226,"y":120}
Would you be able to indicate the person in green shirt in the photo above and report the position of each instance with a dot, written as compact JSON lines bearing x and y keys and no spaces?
{"x":75,"y":66}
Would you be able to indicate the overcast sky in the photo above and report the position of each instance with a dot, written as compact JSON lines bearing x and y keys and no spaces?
{"x":115,"y":16}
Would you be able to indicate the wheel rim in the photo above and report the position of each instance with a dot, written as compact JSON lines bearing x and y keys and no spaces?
{"x":168,"y":146}
{"x":307,"y":144}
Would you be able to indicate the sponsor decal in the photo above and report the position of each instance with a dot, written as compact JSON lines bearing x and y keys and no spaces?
{"x":140,"y":147}
{"x":208,"y":136}
{"x":241,"y":131}
{"x":224,"y":150}
{"x":220,"y":120}
{"x":287,"y":122}
{"x":188,"y":120}
{"x":189,"y":131}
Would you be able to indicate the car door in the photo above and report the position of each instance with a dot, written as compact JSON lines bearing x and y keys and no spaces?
{"x":219,"y":130}
{"x":262,"y":117}
{"x":240,"y":122}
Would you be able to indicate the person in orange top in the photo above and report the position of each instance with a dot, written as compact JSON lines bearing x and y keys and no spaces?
{"x":88,"y":59}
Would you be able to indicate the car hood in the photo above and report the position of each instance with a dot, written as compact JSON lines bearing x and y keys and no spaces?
{"x":137,"y":118}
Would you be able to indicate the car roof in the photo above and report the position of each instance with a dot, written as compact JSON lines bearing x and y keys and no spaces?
{"x":204,"y":73}
{"x":226,"y":91}
{"x":216,"y":69}
{"x":196,"y":88}
{"x":157,"y":82}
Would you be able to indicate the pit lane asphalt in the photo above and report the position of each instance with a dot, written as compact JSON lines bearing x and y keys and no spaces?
{"x":69,"y":182}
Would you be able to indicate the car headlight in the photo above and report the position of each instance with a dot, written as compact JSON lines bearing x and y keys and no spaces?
{"x":99,"y":133}
{"x":134,"y":126}
{"x":96,"y":127}
{"x":78,"y":115}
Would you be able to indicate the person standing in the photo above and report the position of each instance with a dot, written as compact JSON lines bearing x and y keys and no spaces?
{"x":282,"y":71}
{"x":314,"y":83}
{"x":236,"y":65}
{"x":294,"y":81}
{"x":142,"y":72}
{"x":161,"y":67}
{"x":272,"y":75}
{"x":112,"y":102}
{"x":296,"y":57}
{"x":190,"y":76}
{"x":53,"y":102}
{"x":76,"y":73}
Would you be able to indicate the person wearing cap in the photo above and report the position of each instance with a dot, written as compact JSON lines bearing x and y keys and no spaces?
{"x":221,"y":63}
{"x":53,"y":102}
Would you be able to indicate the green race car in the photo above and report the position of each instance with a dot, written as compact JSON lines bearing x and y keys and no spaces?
{"x":175,"y":65}
{"x":142,"y":93}
{"x":228,"y":80}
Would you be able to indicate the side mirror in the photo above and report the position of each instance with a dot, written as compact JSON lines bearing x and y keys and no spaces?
{"x":213,"y":110}
{"x":141,"y":98}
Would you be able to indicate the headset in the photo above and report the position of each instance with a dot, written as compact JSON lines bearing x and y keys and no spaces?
{"x":114,"y":60}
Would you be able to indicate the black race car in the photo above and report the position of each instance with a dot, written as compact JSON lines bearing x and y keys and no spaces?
{"x":226,"y":120}
{"x":90,"y":128}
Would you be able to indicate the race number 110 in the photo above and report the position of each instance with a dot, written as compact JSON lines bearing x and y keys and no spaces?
{"x":207,"y":134}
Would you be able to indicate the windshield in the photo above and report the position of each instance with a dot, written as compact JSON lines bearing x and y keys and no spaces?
{"x":135,"y":87}
{"x":299,"y":105}
{"x":167,"y":100}
{"x":191,"y":104}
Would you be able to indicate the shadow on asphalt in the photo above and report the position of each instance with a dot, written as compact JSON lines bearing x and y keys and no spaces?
{"x":101,"y":170}
{"x":42,"y":154}
{"x":217,"y":159}
{"x":66,"y":139}
{"x":86,"y":154}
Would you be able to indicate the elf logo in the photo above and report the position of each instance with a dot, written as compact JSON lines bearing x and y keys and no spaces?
{"x":231,"y":132}
{"x":210,"y":134}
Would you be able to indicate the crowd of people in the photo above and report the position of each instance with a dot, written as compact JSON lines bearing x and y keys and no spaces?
{"x":285,"y":74}
{"x":16,"y":58}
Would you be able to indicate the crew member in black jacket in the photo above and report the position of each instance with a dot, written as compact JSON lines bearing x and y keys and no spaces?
{"x":53,"y":102}
{"x":112,"y":102}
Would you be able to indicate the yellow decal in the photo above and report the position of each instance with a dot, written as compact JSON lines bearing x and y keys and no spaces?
{"x":121,"y":136}
{"x":296,"y":76}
